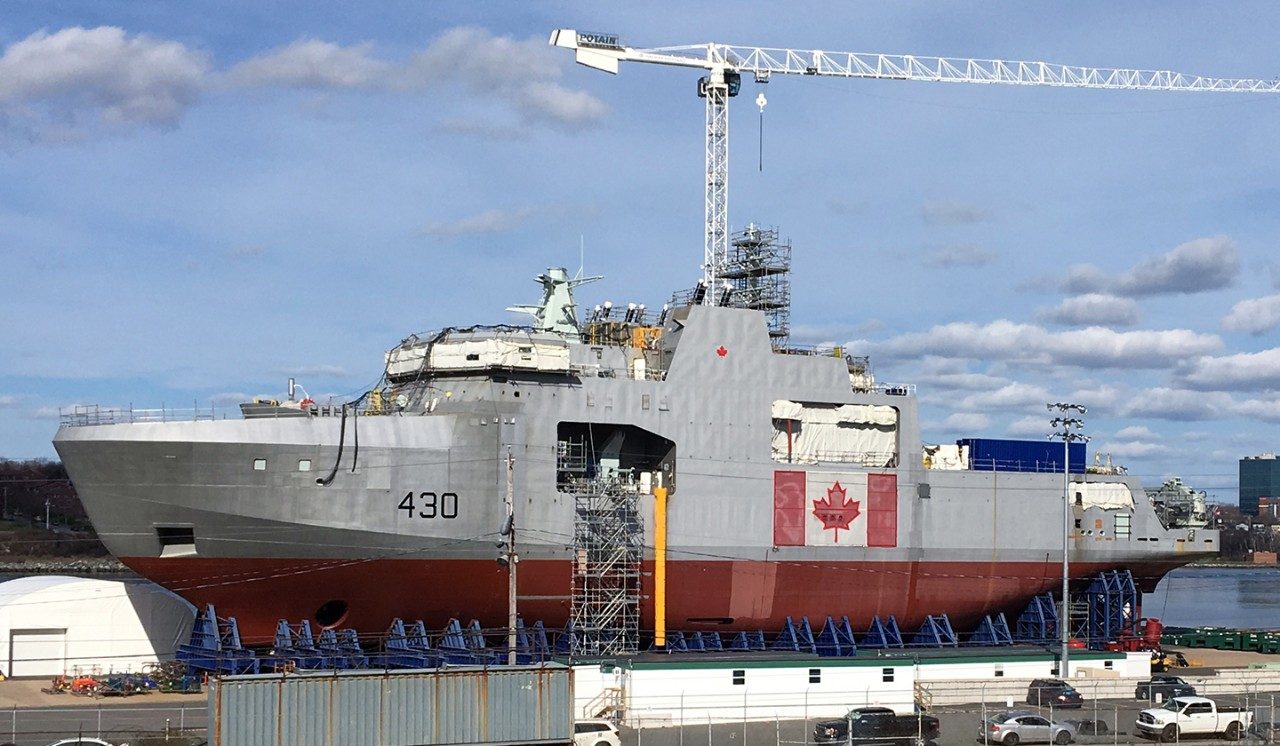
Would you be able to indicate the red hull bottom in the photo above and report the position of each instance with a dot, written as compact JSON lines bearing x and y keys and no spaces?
{"x":700,"y":595}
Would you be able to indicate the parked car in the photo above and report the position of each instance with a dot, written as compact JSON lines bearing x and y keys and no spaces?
{"x":870,"y":725}
{"x":1193,"y":716}
{"x":85,"y":741}
{"x":1053,"y":693}
{"x":1166,"y":685}
{"x":1017,"y":726}
{"x":596,"y":733}
{"x":1089,"y":727}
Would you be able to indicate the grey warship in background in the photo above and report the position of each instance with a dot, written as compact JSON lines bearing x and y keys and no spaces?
{"x":798,"y":484}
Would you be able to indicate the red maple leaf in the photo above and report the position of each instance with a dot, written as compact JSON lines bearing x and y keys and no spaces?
{"x":722,"y":351}
{"x":836,"y":511}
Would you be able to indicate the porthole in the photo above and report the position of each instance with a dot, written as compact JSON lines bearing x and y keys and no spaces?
{"x":259,"y":464}
{"x":304,"y":464}
{"x":331,"y":613}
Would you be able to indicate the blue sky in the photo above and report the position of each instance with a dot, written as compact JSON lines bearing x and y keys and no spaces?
{"x":198,"y":200}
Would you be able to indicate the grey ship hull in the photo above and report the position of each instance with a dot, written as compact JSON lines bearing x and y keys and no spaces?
{"x":270,"y":543}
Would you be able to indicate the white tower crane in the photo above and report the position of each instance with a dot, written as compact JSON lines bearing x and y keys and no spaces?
{"x":726,"y":63}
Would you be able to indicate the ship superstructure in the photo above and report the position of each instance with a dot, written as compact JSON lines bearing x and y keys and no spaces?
{"x":797,"y":485}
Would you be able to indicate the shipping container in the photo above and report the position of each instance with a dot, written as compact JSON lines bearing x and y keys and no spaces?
{"x":505,"y":705}
{"x":993,"y":454}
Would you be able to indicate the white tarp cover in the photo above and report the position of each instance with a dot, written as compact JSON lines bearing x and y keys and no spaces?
{"x":500,"y":353}
{"x":946,"y":457}
{"x":405,"y":360}
{"x":1105,"y":495}
{"x":52,"y":624}
{"x":850,"y":433}
{"x":787,"y":410}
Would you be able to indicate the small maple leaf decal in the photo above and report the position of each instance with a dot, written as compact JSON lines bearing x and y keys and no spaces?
{"x":836,"y":511}
{"x":722,"y":351}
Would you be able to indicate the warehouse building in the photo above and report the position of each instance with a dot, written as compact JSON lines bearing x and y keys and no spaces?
{"x":52,"y":625}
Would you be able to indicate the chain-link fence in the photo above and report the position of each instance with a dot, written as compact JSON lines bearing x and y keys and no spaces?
{"x":703,"y":721}
{"x":174,"y":725}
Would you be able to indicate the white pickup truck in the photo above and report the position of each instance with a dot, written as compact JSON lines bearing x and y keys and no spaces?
{"x":1192,"y":716}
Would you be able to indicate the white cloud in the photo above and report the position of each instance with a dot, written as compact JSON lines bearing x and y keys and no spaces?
{"x":953,"y":213}
{"x":1093,"y":309}
{"x":1267,"y":410}
{"x":1192,"y":267}
{"x":1245,"y":371}
{"x":1092,"y":347}
{"x":1132,"y":449}
{"x":966,"y":422}
{"x":53,"y":85}
{"x":1029,"y":427}
{"x":489,"y":221}
{"x":1136,"y":432}
{"x":963,"y":381}
{"x":959,"y":256}
{"x":1097,"y":398}
{"x":8,"y":400}
{"x":56,"y":83}
{"x":312,"y":63}
{"x":1009,"y":396}
{"x":1255,"y":316}
{"x":1181,"y":405}
{"x":524,"y":73}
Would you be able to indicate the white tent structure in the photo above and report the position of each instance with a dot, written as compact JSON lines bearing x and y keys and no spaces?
{"x":53,"y":624}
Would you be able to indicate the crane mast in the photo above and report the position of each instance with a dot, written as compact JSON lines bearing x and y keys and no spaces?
{"x":725,"y":64}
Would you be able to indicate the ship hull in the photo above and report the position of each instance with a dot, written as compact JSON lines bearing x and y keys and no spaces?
{"x":285,"y":518}
{"x":727,"y":595}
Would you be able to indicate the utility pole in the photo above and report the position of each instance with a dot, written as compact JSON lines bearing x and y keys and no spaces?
{"x":48,"y":503}
{"x":513,"y":559}
{"x":1065,"y":425}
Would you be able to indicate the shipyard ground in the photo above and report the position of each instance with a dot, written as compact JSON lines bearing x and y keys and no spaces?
{"x":124,"y":722}
{"x":29,"y":717}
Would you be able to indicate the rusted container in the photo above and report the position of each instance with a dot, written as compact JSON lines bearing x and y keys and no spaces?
{"x":518,"y":705}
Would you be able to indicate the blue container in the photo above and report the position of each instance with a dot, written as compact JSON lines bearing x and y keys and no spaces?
{"x":991,"y":454}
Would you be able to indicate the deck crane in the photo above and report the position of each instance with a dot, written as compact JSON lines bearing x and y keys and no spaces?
{"x":725,"y":64}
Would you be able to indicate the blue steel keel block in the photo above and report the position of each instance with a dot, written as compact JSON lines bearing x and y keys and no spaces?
{"x":993,"y":630}
{"x":836,"y":639}
{"x":796,"y":639}
{"x":295,"y":646}
{"x":408,"y":648}
{"x":936,"y":632}
{"x":1038,"y":623}
{"x":747,"y":641}
{"x":883,"y":634}
{"x":215,"y":646}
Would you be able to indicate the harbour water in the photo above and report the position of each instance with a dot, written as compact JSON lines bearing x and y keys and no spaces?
{"x":1245,"y":597}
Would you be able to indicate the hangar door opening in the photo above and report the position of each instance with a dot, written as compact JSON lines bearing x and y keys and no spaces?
{"x":37,"y":652}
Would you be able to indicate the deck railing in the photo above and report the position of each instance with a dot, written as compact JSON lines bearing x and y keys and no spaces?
{"x":83,"y":415}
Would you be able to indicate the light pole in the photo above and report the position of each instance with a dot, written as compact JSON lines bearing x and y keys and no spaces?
{"x":510,"y":559}
{"x":1064,"y":425}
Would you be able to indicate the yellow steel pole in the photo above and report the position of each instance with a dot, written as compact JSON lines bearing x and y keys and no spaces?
{"x":660,"y":567}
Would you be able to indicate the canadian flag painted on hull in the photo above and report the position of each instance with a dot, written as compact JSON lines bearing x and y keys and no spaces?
{"x":851,"y":509}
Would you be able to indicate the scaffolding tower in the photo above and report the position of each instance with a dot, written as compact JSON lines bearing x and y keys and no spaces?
{"x":608,"y":546}
{"x":758,"y":269}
